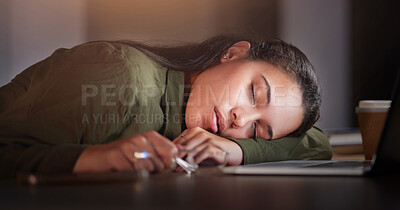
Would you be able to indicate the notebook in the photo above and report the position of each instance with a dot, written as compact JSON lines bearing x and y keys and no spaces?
{"x":385,"y":161}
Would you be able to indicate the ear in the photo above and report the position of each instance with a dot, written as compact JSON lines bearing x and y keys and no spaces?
{"x":238,"y":50}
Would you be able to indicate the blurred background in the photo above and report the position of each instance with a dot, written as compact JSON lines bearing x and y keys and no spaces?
{"x":353,"y":44}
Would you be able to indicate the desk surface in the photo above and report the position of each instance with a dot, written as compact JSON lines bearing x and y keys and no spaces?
{"x":211,"y":190}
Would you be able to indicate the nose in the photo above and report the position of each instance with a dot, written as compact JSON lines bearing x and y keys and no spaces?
{"x":241,"y":116}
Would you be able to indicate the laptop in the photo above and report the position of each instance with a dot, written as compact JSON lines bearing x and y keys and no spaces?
{"x":385,"y":161}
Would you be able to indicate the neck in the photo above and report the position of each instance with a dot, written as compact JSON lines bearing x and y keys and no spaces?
{"x":186,"y":92}
{"x":187,"y":87}
{"x":189,"y":78}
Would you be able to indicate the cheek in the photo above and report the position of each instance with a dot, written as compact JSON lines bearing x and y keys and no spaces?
{"x":193,"y":110}
{"x":226,"y":95}
{"x":287,"y":120}
{"x":195,"y":97}
{"x":231,"y":95}
{"x":193,"y":117}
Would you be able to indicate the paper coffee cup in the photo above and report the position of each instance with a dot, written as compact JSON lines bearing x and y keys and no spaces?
{"x":371,"y":118}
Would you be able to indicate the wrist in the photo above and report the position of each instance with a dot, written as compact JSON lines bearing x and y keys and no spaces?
{"x":85,"y":162}
{"x":235,"y":154}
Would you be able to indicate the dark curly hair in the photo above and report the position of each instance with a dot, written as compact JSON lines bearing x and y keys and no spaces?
{"x":194,"y":57}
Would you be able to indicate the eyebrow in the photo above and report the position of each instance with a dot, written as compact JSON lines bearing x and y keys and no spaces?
{"x":268,"y":89}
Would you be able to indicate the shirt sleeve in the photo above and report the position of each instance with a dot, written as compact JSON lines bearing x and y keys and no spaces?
{"x":27,"y":155}
{"x":45,"y":123}
{"x":312,"y":145}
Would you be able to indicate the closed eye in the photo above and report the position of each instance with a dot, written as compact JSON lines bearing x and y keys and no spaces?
{"x":253,"y":94}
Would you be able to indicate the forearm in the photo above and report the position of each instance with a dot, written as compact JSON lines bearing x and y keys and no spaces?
{"x":234,"y":155}
{"x":311,"y":145}
{"x":37,"y":158}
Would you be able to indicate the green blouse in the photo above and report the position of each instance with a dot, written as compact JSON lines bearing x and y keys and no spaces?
{"x":99,"y":92}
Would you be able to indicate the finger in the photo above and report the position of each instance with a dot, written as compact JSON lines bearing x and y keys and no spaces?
{"x":183,"y":140}
{"x":131,"y":152}
{"x":196,"y":139}
{"x":128,"y":149}
{"x":195,"y":151}
{"x":163,"y":147}
{"x":144,"y":164}
{"x":119,"y":162}
{"x":188,"y":134}
{"x":152,"y":162}
{"x":158,"y":164}
{"x":181,"y":151}
{"x":210,"y":152}
{"x":179,"y":169}
{"x":180,"y":139}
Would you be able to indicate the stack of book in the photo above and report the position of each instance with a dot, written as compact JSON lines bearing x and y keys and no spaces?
{"x":346,"y":141}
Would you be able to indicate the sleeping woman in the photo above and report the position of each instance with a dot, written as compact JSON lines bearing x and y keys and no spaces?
{"x":92,"y":107}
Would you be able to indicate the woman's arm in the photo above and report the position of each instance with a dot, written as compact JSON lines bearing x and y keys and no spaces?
{"x":120,"y":155}
{"x":46,"y":129}
{"x":29,"y":155}
{"x":311,"y":145}
{"x":203,"y":144}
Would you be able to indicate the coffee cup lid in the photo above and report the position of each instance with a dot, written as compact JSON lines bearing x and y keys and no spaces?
{"x":374,"y":103}
{"x":372,"y":109}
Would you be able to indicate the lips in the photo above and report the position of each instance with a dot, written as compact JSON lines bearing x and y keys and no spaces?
{"x":220,"y":120}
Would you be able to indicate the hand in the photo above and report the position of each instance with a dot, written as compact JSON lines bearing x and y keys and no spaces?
{"x":119,"y":155}
{"x":205,"y":145}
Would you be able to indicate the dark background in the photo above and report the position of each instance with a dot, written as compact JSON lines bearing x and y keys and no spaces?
{"x":354,"y":44}
{"x":376,"y":48}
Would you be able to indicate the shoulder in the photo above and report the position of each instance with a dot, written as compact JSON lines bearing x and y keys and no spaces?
{"x":100,"y":52}
{"x":318,"y":135}
{"x":107,"y":57}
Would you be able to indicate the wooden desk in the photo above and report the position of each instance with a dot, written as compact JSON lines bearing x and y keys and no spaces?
{"x":210,"y":190}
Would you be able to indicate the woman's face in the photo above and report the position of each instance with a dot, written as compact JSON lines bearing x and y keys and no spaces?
{"x":245,"y":99}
